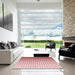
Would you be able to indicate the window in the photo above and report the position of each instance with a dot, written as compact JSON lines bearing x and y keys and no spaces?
{"x":40,"y":23}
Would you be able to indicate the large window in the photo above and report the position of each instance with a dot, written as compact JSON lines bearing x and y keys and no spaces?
{"x":40,"y":23}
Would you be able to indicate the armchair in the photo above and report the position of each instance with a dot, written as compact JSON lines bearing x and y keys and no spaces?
{"x":69,"y":52}
{"x":51,"y":45}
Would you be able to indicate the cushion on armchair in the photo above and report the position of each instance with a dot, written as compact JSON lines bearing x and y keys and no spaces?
{"x":52,"y":44}
{"x":72,"y":48}
{"x":71,"y":45}
{"x":69,"y":52}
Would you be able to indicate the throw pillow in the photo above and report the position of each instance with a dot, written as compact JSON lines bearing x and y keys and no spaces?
{"x":3,"y":45}
{"x":9,"y":46}
{"x":13,"y":44}
{"x":0,"y":44}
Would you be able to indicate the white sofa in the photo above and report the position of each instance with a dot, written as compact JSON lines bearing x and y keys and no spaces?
{"x":9,"y":55}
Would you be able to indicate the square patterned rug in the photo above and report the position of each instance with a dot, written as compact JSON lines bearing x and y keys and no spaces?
{"x":37,"y":63}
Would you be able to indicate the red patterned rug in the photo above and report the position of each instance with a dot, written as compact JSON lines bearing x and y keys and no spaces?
{"x":37,"y":63}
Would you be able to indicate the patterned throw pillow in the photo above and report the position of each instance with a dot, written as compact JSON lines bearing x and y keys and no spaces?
{"x":9,"y":46}
{"x":13,"y":44}
{"x":3,"y":45}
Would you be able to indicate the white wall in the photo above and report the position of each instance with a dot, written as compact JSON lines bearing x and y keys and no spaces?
{"x":6,"y":35}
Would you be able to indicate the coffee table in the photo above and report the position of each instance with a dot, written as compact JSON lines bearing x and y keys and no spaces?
{"x":41,"y":53}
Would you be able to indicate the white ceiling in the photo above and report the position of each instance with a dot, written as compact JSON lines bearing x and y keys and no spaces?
{"x":42,"y":4}
{"x":34,"y":4}
{"x":39,"y":6}
{"x":51,"y":1}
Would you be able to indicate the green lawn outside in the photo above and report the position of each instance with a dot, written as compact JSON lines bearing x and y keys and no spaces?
{"x":39,"y":44}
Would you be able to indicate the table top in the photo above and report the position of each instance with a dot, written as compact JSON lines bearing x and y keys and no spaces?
{"x":39,"y":51}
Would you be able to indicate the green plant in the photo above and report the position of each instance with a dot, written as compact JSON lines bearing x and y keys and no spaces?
{"x":40,"y":43}
{"x":28,"y":46}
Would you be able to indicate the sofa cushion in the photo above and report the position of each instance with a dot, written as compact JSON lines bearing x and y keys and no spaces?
{"x":72,"y":48}
{"x":13,"y":44}
{"x":9,"y":46}
{"x":3,"y":45}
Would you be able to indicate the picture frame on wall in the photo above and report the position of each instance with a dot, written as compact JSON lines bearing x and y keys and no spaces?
{"x":1,"y":15}
{"x":6,"y":17}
